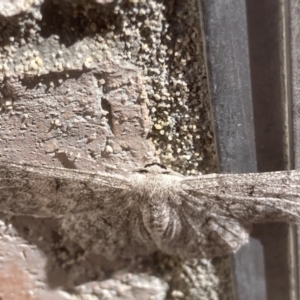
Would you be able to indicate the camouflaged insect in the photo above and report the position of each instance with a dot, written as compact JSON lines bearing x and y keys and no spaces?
{"x":152,"y":208}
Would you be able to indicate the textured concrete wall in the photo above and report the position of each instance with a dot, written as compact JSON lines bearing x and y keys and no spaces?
{"x":101,"y":85}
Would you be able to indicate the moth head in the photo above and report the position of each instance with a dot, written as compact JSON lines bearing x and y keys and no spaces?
{"x":156,"y":169}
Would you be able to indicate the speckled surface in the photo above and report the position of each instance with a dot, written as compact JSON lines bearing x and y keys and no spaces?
{"x":103,"y":85}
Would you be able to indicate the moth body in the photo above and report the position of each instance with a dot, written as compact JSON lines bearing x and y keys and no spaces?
{"x":156,"y":191}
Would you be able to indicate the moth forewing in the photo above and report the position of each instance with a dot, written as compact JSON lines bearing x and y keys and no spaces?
{"x":45,"y":191}
{"x":253,"y":197}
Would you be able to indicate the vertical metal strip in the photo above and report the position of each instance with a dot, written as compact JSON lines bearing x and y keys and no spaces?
{"x":225,"y":29}
{"x":292,"y":37}
{"x":268,"y":73}
{"x":287,"y":31}
{"x":248,"y":94}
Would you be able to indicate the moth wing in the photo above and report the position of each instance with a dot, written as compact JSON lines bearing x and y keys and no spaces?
{"x":250,"y":198}
{"x":195,"y":231}
{"x":215,"y":212}
{"x":96,"y":210}
{"x":46,"y":191}
{"x":118,"y":234}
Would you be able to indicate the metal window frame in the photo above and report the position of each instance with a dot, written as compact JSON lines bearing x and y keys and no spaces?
{"x":247,"y":46}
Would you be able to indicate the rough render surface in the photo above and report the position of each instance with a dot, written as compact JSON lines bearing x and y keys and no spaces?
{"x":75,"y":120}
{"x":102,"y":85}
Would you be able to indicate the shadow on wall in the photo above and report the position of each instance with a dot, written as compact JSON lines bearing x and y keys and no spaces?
{"x":68,"y":265}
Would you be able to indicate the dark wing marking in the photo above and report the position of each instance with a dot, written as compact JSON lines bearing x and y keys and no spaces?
{"x":250,"y":198}
{"x":97,"y":211}
{"x":45,"y":191}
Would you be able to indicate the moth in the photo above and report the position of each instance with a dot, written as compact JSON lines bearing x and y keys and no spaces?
{"x":151,"y":208}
